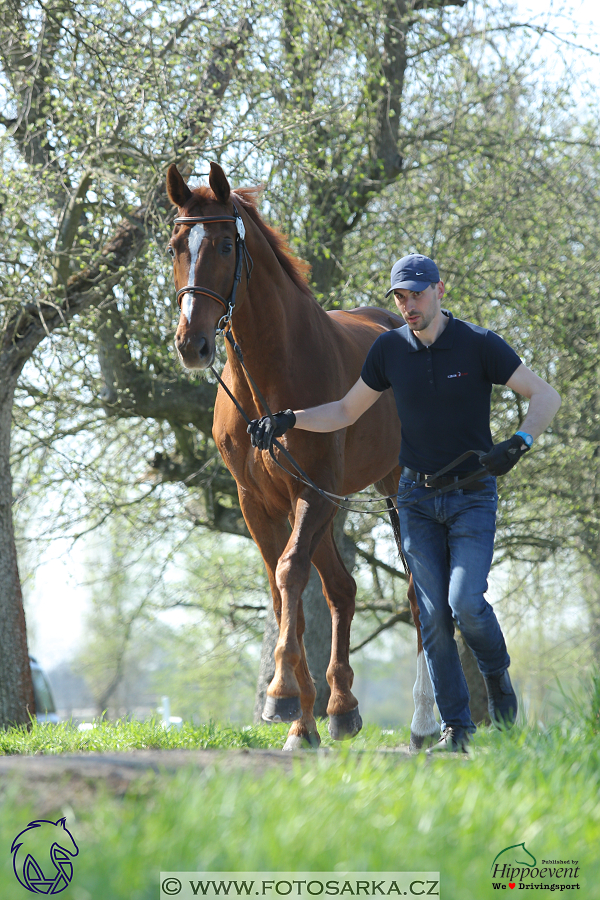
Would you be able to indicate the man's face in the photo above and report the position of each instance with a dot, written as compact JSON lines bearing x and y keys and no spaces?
{"x":419,"y":308}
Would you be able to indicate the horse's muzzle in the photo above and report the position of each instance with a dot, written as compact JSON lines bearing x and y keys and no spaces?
{"x":195,"y":351}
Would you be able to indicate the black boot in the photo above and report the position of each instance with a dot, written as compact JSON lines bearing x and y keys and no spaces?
{"x":502,"y":700}
{"x":453,"y":740}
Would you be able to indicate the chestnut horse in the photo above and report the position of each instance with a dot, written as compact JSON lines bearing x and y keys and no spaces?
{"x":298,"y":356}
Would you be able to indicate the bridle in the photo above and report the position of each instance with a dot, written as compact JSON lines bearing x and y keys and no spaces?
{"x":241,"y":256}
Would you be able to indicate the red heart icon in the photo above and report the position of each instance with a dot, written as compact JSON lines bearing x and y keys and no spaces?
{"x":511,"y":884}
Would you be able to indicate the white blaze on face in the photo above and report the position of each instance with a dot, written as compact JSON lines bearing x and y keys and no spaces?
{"x":195,"y":239}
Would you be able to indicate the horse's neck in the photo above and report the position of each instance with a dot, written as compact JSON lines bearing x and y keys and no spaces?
{"x":269,"y":328}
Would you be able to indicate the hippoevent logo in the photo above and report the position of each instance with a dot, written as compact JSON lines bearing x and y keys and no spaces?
{"x":515,"y":868}
{"x":42,"y":855}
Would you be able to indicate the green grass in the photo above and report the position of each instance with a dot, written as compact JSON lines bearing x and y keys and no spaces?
{"x":108,"y":737}
{"x":342,"y":810}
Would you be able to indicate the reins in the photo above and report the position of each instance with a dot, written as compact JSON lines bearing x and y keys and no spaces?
{"x":224,"y":327}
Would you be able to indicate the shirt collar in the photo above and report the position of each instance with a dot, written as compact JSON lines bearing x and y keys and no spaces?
{"x":444,"y":342}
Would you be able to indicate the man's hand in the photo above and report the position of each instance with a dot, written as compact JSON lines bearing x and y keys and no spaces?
{"x":502,"y":457}
{"x":263,"y":431}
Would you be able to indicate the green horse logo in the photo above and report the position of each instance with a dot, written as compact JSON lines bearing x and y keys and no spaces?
{"x":514,"y":856}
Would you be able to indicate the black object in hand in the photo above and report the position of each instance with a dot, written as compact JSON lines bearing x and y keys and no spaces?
{"x":502,"y":457}
{"x":263,"y":431}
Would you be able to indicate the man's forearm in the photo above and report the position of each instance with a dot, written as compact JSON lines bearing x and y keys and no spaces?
{"x":328,"y":417}
{"x":543,"y":406}
{"x":339,"y":414}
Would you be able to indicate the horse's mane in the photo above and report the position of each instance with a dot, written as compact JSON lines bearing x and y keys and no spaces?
{"x":296,"y":268}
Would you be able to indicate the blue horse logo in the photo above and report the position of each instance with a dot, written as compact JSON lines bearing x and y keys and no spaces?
{"x":42,"y":856}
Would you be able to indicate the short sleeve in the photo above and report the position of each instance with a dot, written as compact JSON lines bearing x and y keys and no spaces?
{"x":373,"y":370}
{"x":500,"y":360}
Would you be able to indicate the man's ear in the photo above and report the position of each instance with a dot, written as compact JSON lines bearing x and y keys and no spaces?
{"x":177,"y":190}
{"x":218,"y":182}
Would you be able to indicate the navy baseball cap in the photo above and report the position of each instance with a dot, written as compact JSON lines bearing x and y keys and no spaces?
{"x":413,"y":273}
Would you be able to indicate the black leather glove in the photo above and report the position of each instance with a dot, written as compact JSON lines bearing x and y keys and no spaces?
{"x":263,"y":431}
{"x":502,"y":457}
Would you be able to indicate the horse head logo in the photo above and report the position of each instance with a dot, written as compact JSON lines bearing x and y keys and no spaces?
{"x":516,"y":854}
{"x":42,"y":856}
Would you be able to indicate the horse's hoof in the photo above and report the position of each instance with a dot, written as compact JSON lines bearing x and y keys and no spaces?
{"x":345,"y":726}
{"x":302,"y":742}
{"x":282,"y":709}
{"x":420,"y":741}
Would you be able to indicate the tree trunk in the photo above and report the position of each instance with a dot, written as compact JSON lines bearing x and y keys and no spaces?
{"x":318,"y":639}
{"x":591,"y":592}
{"x":479,"y":698}
{"x":16,"y":688}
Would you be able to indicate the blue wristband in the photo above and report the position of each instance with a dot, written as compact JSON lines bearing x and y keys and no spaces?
{"x":526,"y":437}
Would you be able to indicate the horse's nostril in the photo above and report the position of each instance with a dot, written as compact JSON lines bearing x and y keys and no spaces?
{"x":193,"y":348}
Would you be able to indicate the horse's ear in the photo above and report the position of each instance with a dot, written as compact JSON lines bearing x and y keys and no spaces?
{"x":218,"y":182}
{"x":177,"y":190}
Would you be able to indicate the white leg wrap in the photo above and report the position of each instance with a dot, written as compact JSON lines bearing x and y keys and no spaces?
{"x":423,"y":722}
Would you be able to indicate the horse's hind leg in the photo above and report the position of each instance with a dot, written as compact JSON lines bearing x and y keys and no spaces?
{"x":340,"y":591}
{"x":423,"y":728}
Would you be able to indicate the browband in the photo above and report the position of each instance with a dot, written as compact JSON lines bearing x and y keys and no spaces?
{"x":180,"y":220}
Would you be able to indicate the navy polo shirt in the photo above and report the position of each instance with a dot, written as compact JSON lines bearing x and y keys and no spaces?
{"x":443,"y":391}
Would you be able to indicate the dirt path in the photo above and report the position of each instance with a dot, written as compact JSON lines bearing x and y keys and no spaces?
{"x":48,"y":783}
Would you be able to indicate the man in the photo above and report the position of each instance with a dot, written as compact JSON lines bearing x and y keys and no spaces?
{"x":441,"y":371}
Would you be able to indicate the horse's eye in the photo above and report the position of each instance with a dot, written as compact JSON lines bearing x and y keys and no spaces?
{"x":226,"y":249}
{"x":170,"y":251}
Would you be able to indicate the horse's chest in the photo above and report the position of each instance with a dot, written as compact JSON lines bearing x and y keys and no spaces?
{"x":254,"y":471}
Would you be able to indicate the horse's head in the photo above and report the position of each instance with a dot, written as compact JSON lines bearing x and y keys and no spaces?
{"x":207,"y":256}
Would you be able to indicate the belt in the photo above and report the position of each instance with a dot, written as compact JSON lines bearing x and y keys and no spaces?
{"x":443,"y":481}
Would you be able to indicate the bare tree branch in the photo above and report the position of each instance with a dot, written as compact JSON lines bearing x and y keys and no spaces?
{"x":378,"y":563}
{"x":404,"y":616}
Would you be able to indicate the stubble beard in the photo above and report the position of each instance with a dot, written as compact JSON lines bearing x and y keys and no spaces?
{"x":423,"y":322}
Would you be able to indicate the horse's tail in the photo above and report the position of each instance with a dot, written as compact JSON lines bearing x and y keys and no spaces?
{"x":395,"y":520}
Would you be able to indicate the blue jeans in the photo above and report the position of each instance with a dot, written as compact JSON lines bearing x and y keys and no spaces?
{"x":448,"y":542}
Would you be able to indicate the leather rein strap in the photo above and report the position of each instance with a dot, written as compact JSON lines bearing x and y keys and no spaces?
{"x":224,"y":327}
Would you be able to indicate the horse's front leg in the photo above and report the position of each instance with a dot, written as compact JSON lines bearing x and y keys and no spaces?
{"x":271,"y":536}
{"x":292,"y":689}
{"x":303,"y":731}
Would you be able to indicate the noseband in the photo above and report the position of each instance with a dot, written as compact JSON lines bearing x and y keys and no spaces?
{"x":241,"y":256}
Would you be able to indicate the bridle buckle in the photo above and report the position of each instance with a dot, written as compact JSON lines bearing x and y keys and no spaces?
{"x":225,"y":319}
